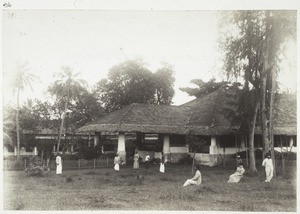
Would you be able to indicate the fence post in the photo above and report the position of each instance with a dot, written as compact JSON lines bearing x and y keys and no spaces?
{"x":25,"y":163}
{"x":94,"y":163}
{"x":79,"y":163}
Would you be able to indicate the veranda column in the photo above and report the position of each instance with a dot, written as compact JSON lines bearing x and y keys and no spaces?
{"x":166,"y":147}
{"x":96,"y":139}
{"x":243,"y":143}
{"x":291,"y":142}
{"x":213,"y":145}
{"x":121,"y":146}
{"x":35,"y":150}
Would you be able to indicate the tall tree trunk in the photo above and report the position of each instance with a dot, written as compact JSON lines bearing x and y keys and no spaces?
{"x":282,"y":158}
{"x":246,"y":145}
{"x":263,"y":112}
{"x":63,"y":119}
{"x":265,"y":69}
{"x":271,"y":107}
{"x":61,"y":126}
{"x":18,"y":124}
{"x":252,"y":166}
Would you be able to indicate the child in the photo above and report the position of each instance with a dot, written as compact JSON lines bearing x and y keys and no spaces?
{"x":268,"y":164}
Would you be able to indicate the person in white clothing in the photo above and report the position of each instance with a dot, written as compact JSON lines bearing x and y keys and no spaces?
{"x":147,"y":160}
{"x":117,"y":161}
{"x":196,"y":180}
{"x":162,"y":163}
{"x":237,"y":176}
{"x":268,"y":164}
{"x":58,"y":161}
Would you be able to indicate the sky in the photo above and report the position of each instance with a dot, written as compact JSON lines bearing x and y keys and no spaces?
{"x":92,"y":41}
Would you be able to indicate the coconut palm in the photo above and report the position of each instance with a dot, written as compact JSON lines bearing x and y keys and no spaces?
{"x":22,"y":79}
{"x":66,"y":87}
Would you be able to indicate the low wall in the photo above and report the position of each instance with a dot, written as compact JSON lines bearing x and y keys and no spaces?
{"x":229,"y":150}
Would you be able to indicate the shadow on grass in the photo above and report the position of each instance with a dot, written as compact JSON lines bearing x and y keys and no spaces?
{"x":167,"y":178}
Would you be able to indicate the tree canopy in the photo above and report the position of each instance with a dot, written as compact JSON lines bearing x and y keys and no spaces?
{"x":203,"y":87}
{"x":132,"y":82}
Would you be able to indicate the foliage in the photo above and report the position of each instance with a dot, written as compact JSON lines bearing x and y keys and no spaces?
{"x":28,"y":123}
{"x":88,"y":152}
{"x":131,"y":82}
{"x":66,"y":88}
{"x":164,"y":83}
{"x":84,"y":109}
{"x":67,"y":85}
{"x":37,"y":168}
{"x":203,"y":87}
{"x":45,"y":149}
{"x":9,"y":126}
{"x":22,"y":79}
{"x":186,"y":159}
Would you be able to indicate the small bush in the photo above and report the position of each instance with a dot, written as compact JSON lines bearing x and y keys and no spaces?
{"x":155,"y":161}
{"x":37,"y":168}
{"x":69,"y":179}
{"x":186,"y":159}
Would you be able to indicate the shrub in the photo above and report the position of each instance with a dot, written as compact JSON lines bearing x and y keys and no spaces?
{"x":155,"y":161}
{"x":37,"y":168}
{"x":186,"y":159}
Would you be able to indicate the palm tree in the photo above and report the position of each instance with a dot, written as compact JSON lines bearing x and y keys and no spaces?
{"x":22,"y":79}
{"x":65,"y":88}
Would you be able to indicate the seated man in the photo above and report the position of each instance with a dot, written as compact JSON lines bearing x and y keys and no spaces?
{"x":236,"y":177}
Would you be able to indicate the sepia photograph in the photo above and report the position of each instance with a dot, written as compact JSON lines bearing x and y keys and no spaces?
{"x":149,"y":109}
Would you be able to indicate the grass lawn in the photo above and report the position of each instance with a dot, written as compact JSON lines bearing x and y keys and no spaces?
{"x":105,"y":189}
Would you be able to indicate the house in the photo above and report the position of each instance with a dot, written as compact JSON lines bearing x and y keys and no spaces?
{"x":210,"y":118}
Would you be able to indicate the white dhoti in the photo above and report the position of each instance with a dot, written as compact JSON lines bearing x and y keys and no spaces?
{"x":117,"y":167}
{"x":269,"y":174}
{"x":162,"y":168}
{"x":235,"y":178}
{"x":190,"y":182}
{"x":59,"y":169}
{"x":58,"y":161}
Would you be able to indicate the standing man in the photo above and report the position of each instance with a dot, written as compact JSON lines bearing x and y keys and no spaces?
{"x":268,"y":164}
{"x":147,"y":160}
{"x":162,"y":163}
{"x":58,"y":164}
